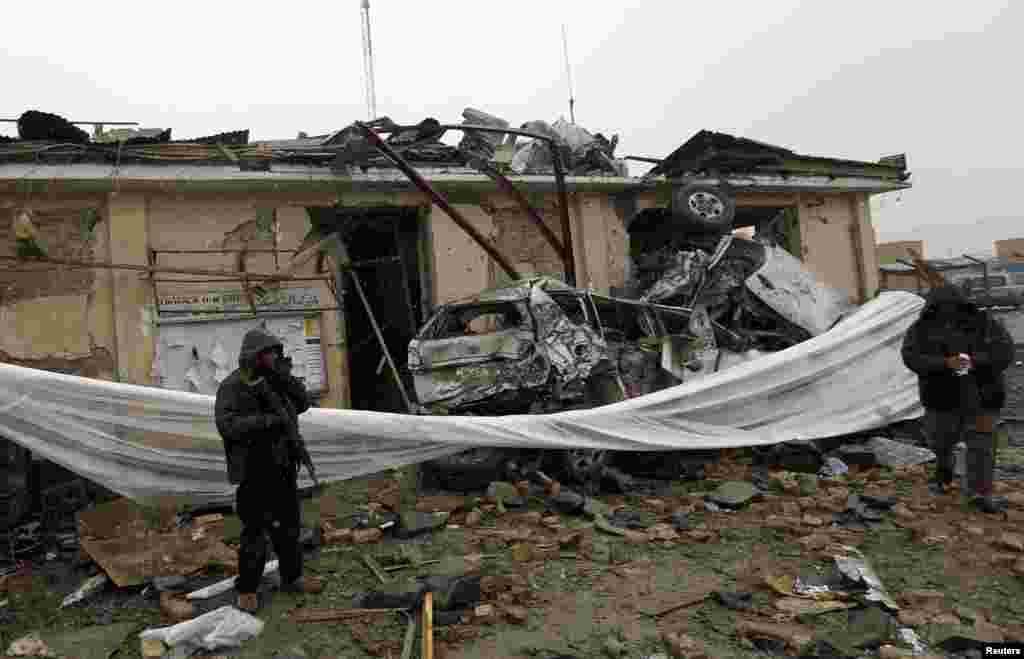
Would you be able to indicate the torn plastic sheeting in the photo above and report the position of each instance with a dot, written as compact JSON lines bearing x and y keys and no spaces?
{"x":226,"y":627}
{"x":847,"y":380}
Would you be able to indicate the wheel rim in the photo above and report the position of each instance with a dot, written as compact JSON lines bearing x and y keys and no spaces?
{"x":584,"y":463}
{"x":706,"y":205}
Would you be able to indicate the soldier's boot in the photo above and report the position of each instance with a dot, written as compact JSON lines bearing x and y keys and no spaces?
{"x":305,"y":585}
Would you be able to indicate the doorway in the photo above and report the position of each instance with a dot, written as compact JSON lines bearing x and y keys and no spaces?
{"x":384,"y":243}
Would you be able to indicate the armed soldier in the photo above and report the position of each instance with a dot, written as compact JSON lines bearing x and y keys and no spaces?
{"x":257,"y":416}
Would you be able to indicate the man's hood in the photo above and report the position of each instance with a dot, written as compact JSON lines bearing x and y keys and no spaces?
{"x":948,"y":294}
{"x":256,"y":341}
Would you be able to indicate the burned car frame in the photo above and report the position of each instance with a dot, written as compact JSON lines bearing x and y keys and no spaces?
{"x":540,"y":346}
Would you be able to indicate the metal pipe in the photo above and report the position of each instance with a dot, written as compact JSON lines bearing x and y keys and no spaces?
{"x":380,"y":338}
{"x":563,"y":196}
{"x":438,"y":199}
{"x":563,"y":207}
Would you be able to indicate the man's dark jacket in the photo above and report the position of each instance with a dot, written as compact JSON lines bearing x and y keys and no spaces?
{"x":971,"y":331}
{"x":254,"y":440}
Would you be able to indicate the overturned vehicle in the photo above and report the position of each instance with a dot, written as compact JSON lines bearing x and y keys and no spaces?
{"x":707,"y":303}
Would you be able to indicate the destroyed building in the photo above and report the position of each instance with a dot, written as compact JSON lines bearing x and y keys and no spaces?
{"x":193,"y":205}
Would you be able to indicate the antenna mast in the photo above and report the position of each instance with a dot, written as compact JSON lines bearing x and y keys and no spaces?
{"x":568,"y":73}
{"x":371,"y":91}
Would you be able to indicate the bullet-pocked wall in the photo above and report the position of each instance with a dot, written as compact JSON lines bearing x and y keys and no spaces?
{"x":462,"y":268}
{"x":58,"y":318}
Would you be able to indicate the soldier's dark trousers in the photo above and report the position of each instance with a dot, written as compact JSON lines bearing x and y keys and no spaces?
{"x":946,"y":428}
{"x":268,"y":507}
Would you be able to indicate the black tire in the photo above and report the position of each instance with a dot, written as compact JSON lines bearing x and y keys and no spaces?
{"x":704,"y":208}
{"x":469,"y":470}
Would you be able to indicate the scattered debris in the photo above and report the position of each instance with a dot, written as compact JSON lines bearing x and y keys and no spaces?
{"x":176,"y":608}
{"x":153,"y":648}
{"x":682,"y":646}
{"x":122,"y":542}
{"x":338,"y":615}
{"x":366,"y":536}
{"x":567,"y":502}
{"x":735,"y":601}
{"x":1011,"y":541}
{"x":692,"y":601}
{"x":375,"y":568}
{"x":833,"y":468}
{"x":30,"y":646}
{"x":627,"y":519}
{"x":856,"y":568}
{"x":795,"y":636}
{"x":441,"y":504}
{"x":681,"y":521}
{"x":883,"y":452}
{"x":734,"y":495}
{"x":803,"y":607}
{"x":516,"y":614}
{"x":225,"y":627}
{"x":90,"y":587}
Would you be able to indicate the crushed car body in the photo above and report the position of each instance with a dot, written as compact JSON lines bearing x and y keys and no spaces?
{"x":538,"y":345}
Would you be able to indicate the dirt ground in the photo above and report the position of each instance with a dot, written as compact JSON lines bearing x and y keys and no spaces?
{"x":582,"y":590}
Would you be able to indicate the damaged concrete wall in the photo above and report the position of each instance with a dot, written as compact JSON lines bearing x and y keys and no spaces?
{"x":462,"y":268}
{"x":838,"y":243}
{"x":1011,"y":249}
{"x":58,"y":318}
{"x":216,"y":222}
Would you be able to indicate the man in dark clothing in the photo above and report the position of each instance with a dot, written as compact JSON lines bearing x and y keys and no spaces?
{"x":257,"y":412}
{"x":959,"y":353}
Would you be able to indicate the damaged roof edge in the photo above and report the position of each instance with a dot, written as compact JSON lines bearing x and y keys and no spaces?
{"x":207,"y":178}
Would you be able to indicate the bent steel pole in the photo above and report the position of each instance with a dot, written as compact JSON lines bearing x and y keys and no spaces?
{"x":568,"y":257}
{"x":508,"y":188}
{"x":438,"y":199}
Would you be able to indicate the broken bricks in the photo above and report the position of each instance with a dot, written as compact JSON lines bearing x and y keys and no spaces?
{"x":734,"y":495}
{"x":682,"y":646}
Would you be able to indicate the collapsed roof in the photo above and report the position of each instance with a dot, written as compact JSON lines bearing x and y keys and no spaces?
{"x":50,"y":139}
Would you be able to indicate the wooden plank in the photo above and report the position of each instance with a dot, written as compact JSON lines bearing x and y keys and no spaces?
{"x":428,"y":626}
{"x":335,"y":615}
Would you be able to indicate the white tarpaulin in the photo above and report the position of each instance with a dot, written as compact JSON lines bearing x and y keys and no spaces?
{"x":146,"y":442}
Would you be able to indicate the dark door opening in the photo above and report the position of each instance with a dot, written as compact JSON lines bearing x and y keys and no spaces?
{"x":388,"y":237}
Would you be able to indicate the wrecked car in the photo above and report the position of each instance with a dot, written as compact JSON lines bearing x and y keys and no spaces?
{"x":707,"y":303}
{"x":540,"y":346}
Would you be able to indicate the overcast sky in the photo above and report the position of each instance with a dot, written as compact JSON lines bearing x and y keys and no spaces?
{"x":858,"y":80}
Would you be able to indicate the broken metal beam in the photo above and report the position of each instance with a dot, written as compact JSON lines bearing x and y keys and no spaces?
{"x":508,"y":188}
{"x":563,"y":195}
{"x":438,"y":199}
